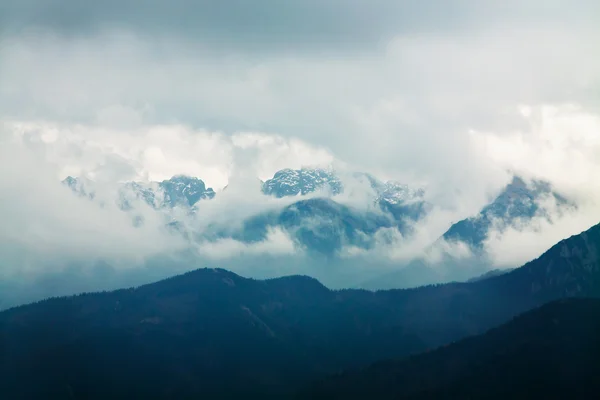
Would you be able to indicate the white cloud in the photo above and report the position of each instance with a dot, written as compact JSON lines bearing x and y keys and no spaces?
{"x":560,"y":144}
{"x":515,"y":246}
{"x":44,"y":221}
{"x":158,"y":152}
{"x":276,"y":243}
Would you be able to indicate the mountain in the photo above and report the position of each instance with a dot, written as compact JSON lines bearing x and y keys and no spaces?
{"x":186,"y":190}
{"x":211,"y":333}
{"x":178,"y":190}
{"x":490,"y":274}
{"x":208,"y":332}
{"x":319,"y":225}
{"x":80,"y":186}
{"x":326,"y":226}
{"x":517,"y":204}
{"x":549,"y":353}
{"x":323,"y":225}
{"x":290,"y":182}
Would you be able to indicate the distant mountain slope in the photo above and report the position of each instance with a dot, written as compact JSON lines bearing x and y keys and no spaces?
{"x":516,"y":205}
{"x":323,"y":225}
{"x":517,"y":202}
{"x":211,"y":331}
{"x":552,"y":352}
{"x":490,"y":274}
{"x":319,"y":225}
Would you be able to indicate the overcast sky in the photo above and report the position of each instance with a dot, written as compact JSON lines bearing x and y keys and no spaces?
{"x":388,"y":85}
{"x":449,"y":94}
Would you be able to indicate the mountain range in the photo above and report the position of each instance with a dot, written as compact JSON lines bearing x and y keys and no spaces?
{"x":516,"y":203}
{"x":514,"y":207}
{"x":322,"y":224}
{"x":180,"y":190}
{"x":211,"y":333}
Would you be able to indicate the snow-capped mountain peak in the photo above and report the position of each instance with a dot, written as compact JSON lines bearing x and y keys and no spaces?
{"x":519,"y":201}
{"x":182,"y":189}
{"x":179,"y":190}
{"x":290,"y":182}
{"x":398,"y":193}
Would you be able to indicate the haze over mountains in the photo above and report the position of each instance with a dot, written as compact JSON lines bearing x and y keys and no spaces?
{"x":517,"y":203}
{"x":323,"y":223}
{"x":345,"y":229}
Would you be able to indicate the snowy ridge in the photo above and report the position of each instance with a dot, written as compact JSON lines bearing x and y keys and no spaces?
{"x":397,"y":193}
{"x":179,"y":190}
{"x":517,"y":203}
{"x":290,"y":182}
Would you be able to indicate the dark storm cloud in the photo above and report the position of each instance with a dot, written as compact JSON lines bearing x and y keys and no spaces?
{"x":276,"y":24}
{"x":270,"y":22}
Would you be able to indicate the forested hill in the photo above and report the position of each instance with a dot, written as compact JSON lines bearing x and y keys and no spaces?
{"x":552,"y":352}
{"x":213,"y":332}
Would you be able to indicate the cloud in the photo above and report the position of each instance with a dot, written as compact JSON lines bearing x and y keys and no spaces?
{"x":514,"y":246}
{"x":402,"y":110}
{"x":277,"y":242}
{"x":560,"y":144}
{"x":45,"y":226}
{"x":157,"y":152}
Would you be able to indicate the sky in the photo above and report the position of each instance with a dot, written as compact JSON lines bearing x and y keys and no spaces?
{"x":447,"y":94}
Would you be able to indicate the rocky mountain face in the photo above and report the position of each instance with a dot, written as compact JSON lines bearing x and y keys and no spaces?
{"x":184,"y":190}
{"x":515,"y":206}
{"x":180,"y":190}
{"x":213,"y":334}
{"x":518,"y":202}
{"x":490,"y":274}
{"x":321,"y":225}
{"x":289,"y":182}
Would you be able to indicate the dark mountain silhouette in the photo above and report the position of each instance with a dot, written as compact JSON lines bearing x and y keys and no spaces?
{"x":490,"y":274}
{"x":211,"y":333}
{"x":552,"y":352}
